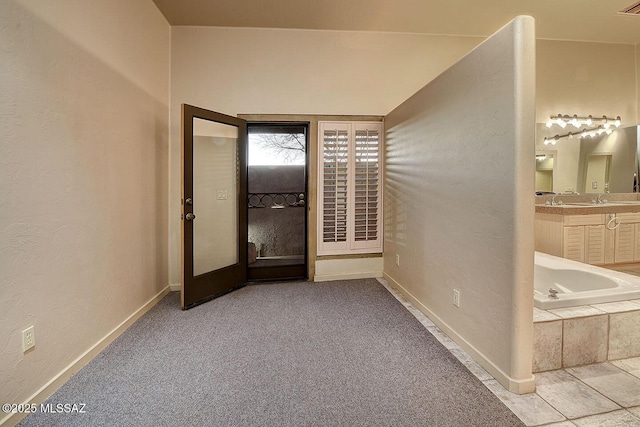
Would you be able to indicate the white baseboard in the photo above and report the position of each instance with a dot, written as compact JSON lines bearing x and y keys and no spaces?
{"x":518,"y":386}
{"x":56,"y":382}
{"x":347,"y":276}
{"x":348,"y":268}
{"x":175,"y":287}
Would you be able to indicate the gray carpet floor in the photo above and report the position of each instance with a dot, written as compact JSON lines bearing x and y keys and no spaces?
{"x":342,"y":353}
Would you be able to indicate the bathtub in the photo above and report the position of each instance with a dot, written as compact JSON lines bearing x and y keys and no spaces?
{"x":579,"y":284}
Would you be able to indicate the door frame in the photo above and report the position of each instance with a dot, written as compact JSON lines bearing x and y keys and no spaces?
{"x":284,"y":272}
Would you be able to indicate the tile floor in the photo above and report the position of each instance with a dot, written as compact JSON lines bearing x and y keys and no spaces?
{"x":603,"y":394}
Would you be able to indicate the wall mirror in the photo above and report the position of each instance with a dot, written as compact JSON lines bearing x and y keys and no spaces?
{"x":600,"y":164}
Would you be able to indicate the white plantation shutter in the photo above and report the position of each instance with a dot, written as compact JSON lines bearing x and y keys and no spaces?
{"x":350,"y":188}
{"x":334,"y":184}
{"x":366,"y":185}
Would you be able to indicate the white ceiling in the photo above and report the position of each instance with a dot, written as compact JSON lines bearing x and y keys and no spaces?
{"x":585,"y":20}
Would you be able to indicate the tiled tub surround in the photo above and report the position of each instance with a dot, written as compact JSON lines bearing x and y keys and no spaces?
{"x":576,"y":336}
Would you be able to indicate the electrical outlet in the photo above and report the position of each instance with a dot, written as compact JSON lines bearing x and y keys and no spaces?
{"x":28,"y":339}
{"x":398,"y":260}
{"x":456,"y":298}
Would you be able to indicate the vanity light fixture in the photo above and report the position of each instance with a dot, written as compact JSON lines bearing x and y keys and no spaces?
{"x":604,"y":125}
{"x":585,"y":133}
{"x":634,"y":9}
{"x":577,"y":122}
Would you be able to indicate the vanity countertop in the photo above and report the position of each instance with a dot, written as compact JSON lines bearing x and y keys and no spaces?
{"x":589,"y":208}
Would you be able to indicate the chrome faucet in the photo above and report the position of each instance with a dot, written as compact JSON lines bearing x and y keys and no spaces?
{"x":553,"y":200}
{"x":600,"y":200}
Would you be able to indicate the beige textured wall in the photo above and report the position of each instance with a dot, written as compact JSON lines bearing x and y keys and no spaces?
{"x":83,"y":177}
{"x":586,"y":78}
{"x":458,"y":208}
{"x":333,"y":72}
{"x":264,"y":71}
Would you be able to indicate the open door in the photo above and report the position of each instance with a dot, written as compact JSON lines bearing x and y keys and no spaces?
{"x":214,"y":215}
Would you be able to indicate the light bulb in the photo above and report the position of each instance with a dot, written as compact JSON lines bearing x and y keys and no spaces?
{"x":607,"y":125}
{"x":609,"y":131}
{"x":600,"y":131}
{"x":549,"y":123}
{"x":570,"y":135}
{"x":589,"y":120}
{"x":618,"y":122}
{"x":546,"y":141}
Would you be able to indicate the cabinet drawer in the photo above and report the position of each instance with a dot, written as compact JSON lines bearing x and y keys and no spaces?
{"x":629,"y":217}
{"x":591,"y":219}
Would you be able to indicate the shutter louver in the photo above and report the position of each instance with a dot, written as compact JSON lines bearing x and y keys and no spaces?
{"x":366,"y":185}
{"x":335,"y":168}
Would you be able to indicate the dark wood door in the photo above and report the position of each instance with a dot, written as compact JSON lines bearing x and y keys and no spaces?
{"x":214,"y":215}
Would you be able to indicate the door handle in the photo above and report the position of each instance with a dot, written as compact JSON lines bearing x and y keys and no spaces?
{"x":190,"y":216}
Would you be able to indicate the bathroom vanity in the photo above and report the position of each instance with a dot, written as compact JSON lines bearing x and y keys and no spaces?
{"x":605,"y":233}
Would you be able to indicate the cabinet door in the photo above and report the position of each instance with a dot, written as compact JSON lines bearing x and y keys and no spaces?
{"x":594,"y":244}
{"x":625,"y":242}
{"x":548,"y":233}
{"x":609,"y":246}
{"x":573,"y":243}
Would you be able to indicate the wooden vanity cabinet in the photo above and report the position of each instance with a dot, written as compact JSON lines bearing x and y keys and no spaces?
{"x":627,"y":238}
{"x":582,"y":238}
{"x":586,"y":238}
